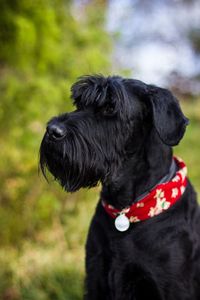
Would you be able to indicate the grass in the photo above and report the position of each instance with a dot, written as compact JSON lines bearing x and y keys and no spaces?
{"x":189,"y":148}
{"x":51,"y":267}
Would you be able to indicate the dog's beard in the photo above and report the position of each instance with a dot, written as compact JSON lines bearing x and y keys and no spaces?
{"x":74,"y":163}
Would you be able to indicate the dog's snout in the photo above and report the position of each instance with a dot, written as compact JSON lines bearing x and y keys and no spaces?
{"x":56,"y":130}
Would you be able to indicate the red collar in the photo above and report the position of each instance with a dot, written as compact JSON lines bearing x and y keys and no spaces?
{"x":159,"y":199}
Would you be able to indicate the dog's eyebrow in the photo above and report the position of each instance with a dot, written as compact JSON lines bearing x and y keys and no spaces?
{"x":86,"y":92}
{"x":99,"y":91}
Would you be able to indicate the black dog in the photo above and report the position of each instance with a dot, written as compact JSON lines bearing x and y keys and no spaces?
{"x":121,"y":135}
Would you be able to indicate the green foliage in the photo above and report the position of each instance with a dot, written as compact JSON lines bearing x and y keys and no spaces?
{"x":43,"y":49}
{"x":57,"y":285}
{"x":39,"y":274}
{"x":194,"y":36}
{"x":190,"y":145}
{"x":43,"y":36}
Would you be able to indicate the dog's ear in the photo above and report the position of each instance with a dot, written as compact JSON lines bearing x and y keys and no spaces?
{"x":169,"y":121}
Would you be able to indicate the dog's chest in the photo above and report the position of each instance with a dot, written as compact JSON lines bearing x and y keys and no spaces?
{"x":124,"y":267}
{"x":115,"y":276}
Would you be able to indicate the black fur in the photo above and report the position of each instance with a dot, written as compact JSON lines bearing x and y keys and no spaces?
{"x":121,"y":135}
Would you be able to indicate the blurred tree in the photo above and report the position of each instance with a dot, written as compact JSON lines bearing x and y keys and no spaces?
{"x":45,"y":45}
{"x":194,"y":36}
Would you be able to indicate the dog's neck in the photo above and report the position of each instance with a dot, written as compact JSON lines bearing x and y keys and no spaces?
{"x":139,"y":174}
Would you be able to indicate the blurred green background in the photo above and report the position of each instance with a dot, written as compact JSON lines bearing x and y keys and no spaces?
{"x":44,"y":46}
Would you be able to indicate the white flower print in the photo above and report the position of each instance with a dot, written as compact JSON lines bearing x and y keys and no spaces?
{"x":161,"y":204}
{"x":140,"y":204}
{"x":179,"y":159}
{"x":134,"y":219}
{"x":159,"y":194}
{"x":176,"y":178}
{"x":174,"y":193}
{"x":125,"y":210}
{"x":182,"y":189}
{"x":110,"y":206}
{"x":183,"y":173}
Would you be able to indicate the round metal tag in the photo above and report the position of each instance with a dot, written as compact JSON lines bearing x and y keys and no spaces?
{"x":122,"y":223}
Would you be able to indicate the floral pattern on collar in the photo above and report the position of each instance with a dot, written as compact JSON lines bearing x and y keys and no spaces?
{"x":159,"y":199}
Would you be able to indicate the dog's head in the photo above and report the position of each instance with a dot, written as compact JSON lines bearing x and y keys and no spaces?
{"x":112,"y":120}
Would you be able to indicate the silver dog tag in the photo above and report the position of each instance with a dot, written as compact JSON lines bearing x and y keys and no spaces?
{"x":122,"y":223}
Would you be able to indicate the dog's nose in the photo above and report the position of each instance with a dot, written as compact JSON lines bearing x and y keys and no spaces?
{"x":56,"y":130}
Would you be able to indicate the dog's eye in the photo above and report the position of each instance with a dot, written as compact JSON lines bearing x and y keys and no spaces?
{"x":108,"y":110}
